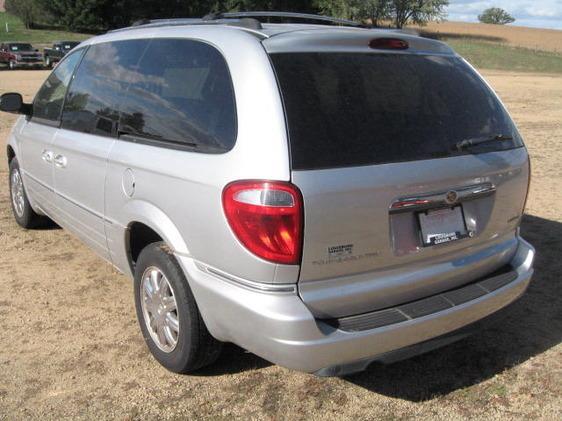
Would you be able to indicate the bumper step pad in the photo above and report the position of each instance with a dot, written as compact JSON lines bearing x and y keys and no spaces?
{"x":425,"y":306}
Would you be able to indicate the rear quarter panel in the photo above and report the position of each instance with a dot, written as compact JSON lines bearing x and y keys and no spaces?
{"x":187,"y":187}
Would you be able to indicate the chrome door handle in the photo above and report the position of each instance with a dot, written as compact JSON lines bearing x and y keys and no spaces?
{"x":60,"y":161}
{"x":47,"y":156}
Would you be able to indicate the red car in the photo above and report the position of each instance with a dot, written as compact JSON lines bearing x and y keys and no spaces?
{"x":19,"y":54}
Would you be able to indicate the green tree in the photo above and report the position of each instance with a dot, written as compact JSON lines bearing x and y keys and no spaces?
{"x":417,"y":11}
{"x":26,"y":10}
{"x":342,"y":9}
{"x":100,"y":15}
{"x":399,"y":11}
{"x":373,"y":10}
{"x":495,"y":16}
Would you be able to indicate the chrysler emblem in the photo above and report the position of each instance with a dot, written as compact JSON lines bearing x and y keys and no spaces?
{"x":451,"y":197}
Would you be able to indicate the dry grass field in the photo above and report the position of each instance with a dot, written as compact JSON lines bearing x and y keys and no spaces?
{"x":515,"y":36}
{"x":70,"y":346}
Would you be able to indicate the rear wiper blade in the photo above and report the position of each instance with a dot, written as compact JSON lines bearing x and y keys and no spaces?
{"x":467,"y":143}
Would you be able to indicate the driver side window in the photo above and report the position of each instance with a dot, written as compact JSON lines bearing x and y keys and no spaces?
{"x":50,"y":98}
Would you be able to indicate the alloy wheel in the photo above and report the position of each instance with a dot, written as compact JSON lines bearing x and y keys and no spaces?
{"x":159,"y":308}
{"x":18,"y":198}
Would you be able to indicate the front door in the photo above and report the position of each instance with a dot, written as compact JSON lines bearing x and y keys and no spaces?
{"x":35,"y":143}
{"x":35,"y":139}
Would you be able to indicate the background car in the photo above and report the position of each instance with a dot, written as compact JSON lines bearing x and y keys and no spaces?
{"x":20,"y":54}
{"x":59,"y":49}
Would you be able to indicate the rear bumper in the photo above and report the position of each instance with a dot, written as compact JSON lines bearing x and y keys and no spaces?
{"x":280,"y":328}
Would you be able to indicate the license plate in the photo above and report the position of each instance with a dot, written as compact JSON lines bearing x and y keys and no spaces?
{"x":442,"y":226}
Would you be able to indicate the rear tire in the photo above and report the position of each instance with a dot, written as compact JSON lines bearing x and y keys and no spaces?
{"x":164,"y":302}
{"x":24,"y":214}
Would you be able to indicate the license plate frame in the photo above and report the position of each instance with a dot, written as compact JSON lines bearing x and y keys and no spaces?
{"x":442,"y":225}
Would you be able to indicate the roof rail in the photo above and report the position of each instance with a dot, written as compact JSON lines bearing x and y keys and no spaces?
{"x":247,"y":23}
{"x":290,"y":16}
{"x":246,"y":20}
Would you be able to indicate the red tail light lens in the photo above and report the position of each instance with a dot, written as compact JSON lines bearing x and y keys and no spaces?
{"x":389,"y":44}
{"x":267,"y":218}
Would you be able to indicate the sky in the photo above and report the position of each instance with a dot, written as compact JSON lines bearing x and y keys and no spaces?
{"x":534,"y":13}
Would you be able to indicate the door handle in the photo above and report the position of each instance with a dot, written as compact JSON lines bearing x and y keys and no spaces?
{"x":60,"y":161}
{"x":47,"y":156}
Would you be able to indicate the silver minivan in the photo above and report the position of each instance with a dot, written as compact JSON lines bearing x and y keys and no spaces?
{"x":322,"y":196}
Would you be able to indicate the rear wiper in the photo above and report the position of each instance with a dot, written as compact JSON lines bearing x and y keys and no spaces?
{"x":467,"y":143}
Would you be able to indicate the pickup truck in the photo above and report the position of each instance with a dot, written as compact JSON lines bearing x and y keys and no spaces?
{"x":57,"y":52}
{"x":20,"y":54}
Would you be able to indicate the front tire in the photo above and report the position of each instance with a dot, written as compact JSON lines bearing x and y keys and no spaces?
{"x":168,"y":315}
{"x":48,"y":63}
{"x":12,"y":65}
{"x":24,"y":214}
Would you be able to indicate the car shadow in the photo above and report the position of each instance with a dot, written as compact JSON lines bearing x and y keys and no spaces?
{"x":46,"y":224}
{"x":233,"y":359}
{"x":531,"y":326}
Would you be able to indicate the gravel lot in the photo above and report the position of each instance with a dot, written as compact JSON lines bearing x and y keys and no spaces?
{"x":70,"y":346}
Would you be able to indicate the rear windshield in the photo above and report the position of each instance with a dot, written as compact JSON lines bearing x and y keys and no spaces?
{"x":350,"y":109}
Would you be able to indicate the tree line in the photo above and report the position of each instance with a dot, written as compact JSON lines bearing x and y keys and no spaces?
{"x":100,"y":15}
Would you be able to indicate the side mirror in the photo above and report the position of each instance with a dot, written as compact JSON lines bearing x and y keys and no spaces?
{"x":13,"y":103}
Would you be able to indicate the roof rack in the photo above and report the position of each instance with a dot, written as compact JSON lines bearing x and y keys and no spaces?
{"x":287,"y":17}
{"x":247,"y":23}
{"x":247,"y":20}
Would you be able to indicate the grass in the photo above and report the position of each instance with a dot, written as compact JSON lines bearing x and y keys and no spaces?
{"x":18,"y":32}
{"x":489,"y":55}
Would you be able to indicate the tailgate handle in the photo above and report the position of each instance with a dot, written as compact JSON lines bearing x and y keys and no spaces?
{"x":446,"y":198}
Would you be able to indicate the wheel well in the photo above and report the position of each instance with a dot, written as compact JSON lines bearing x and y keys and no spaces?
{"x":11,"y":154}
{"x":139,"y":236}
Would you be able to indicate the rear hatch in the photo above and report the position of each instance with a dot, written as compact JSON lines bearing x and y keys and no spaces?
{"x":413,"y":175}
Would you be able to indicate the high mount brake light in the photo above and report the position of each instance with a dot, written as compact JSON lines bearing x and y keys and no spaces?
{"x":267,"y":218}
{"x":389,"y":44}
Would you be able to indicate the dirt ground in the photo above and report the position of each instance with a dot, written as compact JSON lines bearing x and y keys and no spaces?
{"x":519,"y":36}
{"x":70,"y":346}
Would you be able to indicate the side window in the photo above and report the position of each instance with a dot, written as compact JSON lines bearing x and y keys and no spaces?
{"x":92,"y":105}
{"x":48,"y":102}
{"x":183,"y":98}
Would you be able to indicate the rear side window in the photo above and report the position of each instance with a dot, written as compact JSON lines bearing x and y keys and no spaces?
{"x":350,"y":109}
{"x":181,"y":97}
{"x":94,"y":97}
{"x":50,"y":98}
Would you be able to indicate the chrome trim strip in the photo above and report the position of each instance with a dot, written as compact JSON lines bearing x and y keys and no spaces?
{"x":25,"y":173}
{"x":91,"y":212}
{"x":415,"y":203}
{"x":251,"y":285}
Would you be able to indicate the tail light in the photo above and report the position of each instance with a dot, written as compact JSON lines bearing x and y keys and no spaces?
{"x":267,"y":218}
{"x":389,"y":44}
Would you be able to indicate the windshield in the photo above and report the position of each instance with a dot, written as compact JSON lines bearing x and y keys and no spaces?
{"x":21,"y":47}
{"x":351,"y":109}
